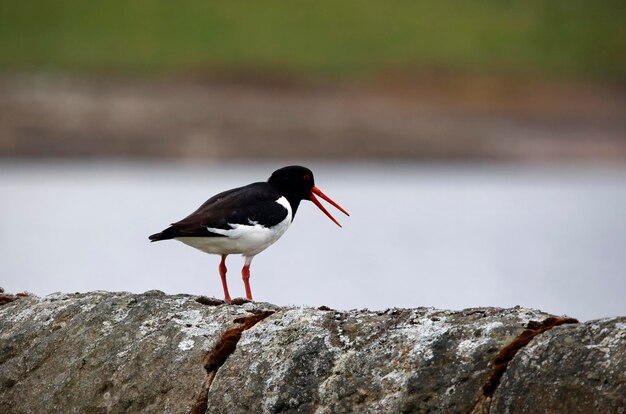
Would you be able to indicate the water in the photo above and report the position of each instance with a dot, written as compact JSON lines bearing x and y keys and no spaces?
{"x":446,"y":236}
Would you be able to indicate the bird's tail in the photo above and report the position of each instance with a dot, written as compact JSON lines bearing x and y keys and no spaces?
{"x":166,"y":234}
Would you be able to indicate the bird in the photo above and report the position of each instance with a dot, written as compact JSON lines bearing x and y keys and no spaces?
{"x":247,"y":220}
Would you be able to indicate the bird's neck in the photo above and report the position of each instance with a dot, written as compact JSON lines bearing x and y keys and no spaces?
{"x":294,"y":202}
{"x":287,"y":192}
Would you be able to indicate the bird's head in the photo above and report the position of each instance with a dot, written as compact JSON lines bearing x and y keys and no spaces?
{"x":298,"y":183}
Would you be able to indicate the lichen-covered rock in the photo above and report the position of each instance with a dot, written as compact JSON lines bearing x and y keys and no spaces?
{"x":154,"y":353}
{"x":106,"y":352}
{"x":572,"y":369}
{"x":401,"y":360}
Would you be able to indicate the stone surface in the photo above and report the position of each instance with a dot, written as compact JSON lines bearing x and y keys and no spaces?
{"x":105,"y":352}
{"x":573,"y":369}
{"x":401,"y":360}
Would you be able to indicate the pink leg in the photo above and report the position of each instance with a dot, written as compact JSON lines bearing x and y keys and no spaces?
{"x":245,"y":274}
{"x":223,"y":276}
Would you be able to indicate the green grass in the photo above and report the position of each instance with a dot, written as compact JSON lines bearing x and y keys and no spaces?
{"x":329,"y":38}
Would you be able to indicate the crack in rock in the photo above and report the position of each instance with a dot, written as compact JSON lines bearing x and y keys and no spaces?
{"x":506,"y":354}
{"x":225,"y":346}
{"x":7,"y":298}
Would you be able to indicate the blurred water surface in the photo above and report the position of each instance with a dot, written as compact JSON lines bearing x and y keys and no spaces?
{"x":448,"y":236}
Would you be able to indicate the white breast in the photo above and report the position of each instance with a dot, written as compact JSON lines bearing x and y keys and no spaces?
{"x":246,"y":239}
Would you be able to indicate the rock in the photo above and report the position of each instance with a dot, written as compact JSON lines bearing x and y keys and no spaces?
{"x":156,"y":353}
{"x":106,"y":352}
{"x":574,"y":369}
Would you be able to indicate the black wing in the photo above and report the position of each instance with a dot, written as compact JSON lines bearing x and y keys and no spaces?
{"x":244,"y":205}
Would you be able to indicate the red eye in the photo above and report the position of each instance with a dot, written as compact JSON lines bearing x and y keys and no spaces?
{"x":307,"y":177}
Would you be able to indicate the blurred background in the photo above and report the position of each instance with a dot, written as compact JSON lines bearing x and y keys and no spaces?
{"x":479,"y":146}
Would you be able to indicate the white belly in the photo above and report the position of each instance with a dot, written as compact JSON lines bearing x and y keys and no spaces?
{"x":246,"y":239}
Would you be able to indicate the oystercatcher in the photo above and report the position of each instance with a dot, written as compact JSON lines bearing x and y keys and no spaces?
{"x":247,"y":220}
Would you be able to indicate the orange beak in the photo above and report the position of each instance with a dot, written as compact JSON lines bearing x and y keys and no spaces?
{"x":314,"y":199}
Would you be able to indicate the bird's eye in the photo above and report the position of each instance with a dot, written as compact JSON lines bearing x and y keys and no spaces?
{"x":307,"y":177}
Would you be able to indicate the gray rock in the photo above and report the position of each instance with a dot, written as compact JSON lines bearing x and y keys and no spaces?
{"x":570,"y":369}
{"x":106,"y":352}
{"x":155,"y":353}
{"x":409,"y":360}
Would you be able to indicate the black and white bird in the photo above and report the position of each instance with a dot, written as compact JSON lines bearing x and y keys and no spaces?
{"x":247,"y":220}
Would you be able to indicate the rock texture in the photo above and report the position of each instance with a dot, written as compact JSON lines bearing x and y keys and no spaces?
{"x":106,"y":352}
{"x":575,"y":369}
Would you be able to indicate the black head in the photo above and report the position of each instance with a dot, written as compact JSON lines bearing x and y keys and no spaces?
{"x":296,"y":183}
{"x":293,"y":182}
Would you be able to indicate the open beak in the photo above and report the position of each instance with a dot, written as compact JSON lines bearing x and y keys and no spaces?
{"x":314,"y":199}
